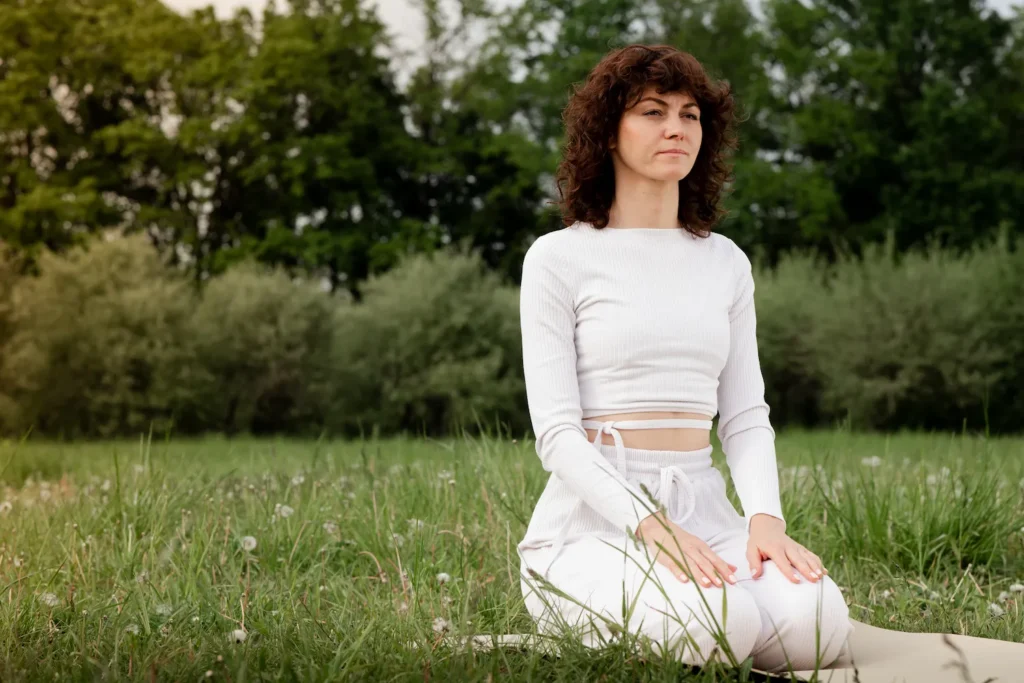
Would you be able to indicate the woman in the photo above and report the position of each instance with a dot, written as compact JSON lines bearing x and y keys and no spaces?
{"x":638,"y":326}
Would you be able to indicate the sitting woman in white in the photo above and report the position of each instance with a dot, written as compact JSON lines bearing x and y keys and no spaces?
{"x":635,"y":316}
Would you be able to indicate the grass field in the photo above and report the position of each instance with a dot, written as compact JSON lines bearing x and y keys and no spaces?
{"x":150,"y":561}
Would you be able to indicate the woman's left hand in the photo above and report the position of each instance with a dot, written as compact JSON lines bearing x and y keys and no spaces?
{"x":768,"y":541}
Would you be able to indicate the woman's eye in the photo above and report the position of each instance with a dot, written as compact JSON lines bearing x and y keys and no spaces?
{"x":653,"y":111}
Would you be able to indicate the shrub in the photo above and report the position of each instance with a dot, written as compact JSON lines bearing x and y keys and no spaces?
{"x":257,"y":354}
{"x":912,"y":342}
{"x":434,"y":346}
{"x":93,"y":333}
{"x":787,"y":300}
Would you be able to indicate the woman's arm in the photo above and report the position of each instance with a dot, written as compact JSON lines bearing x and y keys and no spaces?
{"x":548,"y":323}
{"x":747,"y":436}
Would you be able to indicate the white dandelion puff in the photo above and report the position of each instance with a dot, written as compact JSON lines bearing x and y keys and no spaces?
{"x":330,"y":527}
{"x":1017,"y":587}
{"x":6,"y":507}
{"x":444,"y":474}
{"x":995,"y":610}
{"x":441,"y":625}
{"x":142,"y":577}
{"x":132,"y":628}
{"x":163,"y":609}
{"x":1003,"y":597}
{"x":49,"y":599}
{"x":248,"y":543}
{"x":873,"y":461}
{"x":298,"y":479}
{"x":238,"y":636}
{"x":399,"y":539}
{"x":443,"y":578}
{"x":283,"y":511}
{"x":416,"y":524}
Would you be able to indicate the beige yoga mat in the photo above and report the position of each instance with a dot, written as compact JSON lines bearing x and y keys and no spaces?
{"x":880,"y":655}
{"x":884,"y":656}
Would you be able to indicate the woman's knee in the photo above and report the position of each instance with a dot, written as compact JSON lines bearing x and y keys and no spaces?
{"x":690,"y":630}
{"x":805,"y":627}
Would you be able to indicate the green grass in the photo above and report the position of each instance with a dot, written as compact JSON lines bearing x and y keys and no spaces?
{"x":140,"y":548}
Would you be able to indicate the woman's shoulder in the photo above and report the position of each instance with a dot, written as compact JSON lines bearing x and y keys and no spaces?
{"x":553,"y":244}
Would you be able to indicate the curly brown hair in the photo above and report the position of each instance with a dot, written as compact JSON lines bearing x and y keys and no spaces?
{"x":585,"y":176}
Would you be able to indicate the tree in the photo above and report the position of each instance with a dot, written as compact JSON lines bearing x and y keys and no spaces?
{"x":911,"y":111}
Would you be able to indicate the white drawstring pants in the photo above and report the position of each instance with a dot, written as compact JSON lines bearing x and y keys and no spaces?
{"x":770,"y":618}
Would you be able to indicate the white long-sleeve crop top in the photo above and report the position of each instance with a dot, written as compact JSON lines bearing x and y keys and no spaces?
{"x":620,"y":320}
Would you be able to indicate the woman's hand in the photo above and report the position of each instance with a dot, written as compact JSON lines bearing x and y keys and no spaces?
{"x":698,"y":560}
{"x":768,"y":541}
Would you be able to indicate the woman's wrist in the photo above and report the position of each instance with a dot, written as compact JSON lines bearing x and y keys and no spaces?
{"x":763,"y":520}
{"x":649,"y":523}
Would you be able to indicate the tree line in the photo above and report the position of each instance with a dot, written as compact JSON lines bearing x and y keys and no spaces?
{"x":286,"y":138}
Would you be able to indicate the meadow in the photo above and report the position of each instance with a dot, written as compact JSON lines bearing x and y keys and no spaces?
{"x":288,"y":560}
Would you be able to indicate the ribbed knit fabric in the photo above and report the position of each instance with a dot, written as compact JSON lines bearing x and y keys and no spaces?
{"x":619,"y":320}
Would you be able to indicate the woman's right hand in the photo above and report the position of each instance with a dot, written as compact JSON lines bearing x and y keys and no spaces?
{"x":696,"y":557}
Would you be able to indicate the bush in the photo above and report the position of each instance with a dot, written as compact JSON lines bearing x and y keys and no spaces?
{"x":916,"y":341}
{"x":258,"y":349}
{"x":8,"y":277}
{"x":93,"y":334}
{"x":787,"y":300}
{"x":434,"y":346}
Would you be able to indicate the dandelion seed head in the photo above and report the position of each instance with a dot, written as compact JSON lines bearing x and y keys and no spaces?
{"x":441,"y":625}
{"x":330,"y":527}
{"x":995,"y":610}
{"x":237,"y":636}
{"x":163,"y":609}
{"x":873,"y":461}
{"x":248,"y":543}
{"x":49,"y":599}
{"x":1017,"y":587}
{"x":443,"y":578}
{"x":132,"y":628}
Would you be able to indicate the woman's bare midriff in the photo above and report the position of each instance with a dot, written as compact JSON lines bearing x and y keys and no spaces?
{"x":670,"y":439}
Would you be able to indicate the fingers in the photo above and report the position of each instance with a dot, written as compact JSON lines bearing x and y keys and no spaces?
{"x":754,"y":560}
{"x":707,"y":569}
{"x":778,"y":556}
{"x":814,"y":562}
{"x":801,"y":563}
{"x":693,"y":566}
{"x":724,"y":568}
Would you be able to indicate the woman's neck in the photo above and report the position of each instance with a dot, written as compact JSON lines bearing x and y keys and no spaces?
{"x":645,"y":203}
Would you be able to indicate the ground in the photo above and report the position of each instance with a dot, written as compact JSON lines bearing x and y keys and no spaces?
{"x":288,"y":560}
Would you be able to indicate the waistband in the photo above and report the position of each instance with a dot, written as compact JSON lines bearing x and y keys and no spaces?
{"x":646,"y":461}
{"x":644,"y":457}
{"x":674,"y":468}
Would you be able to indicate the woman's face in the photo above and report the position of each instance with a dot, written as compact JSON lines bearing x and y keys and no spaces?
{"x":659,"y":137}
